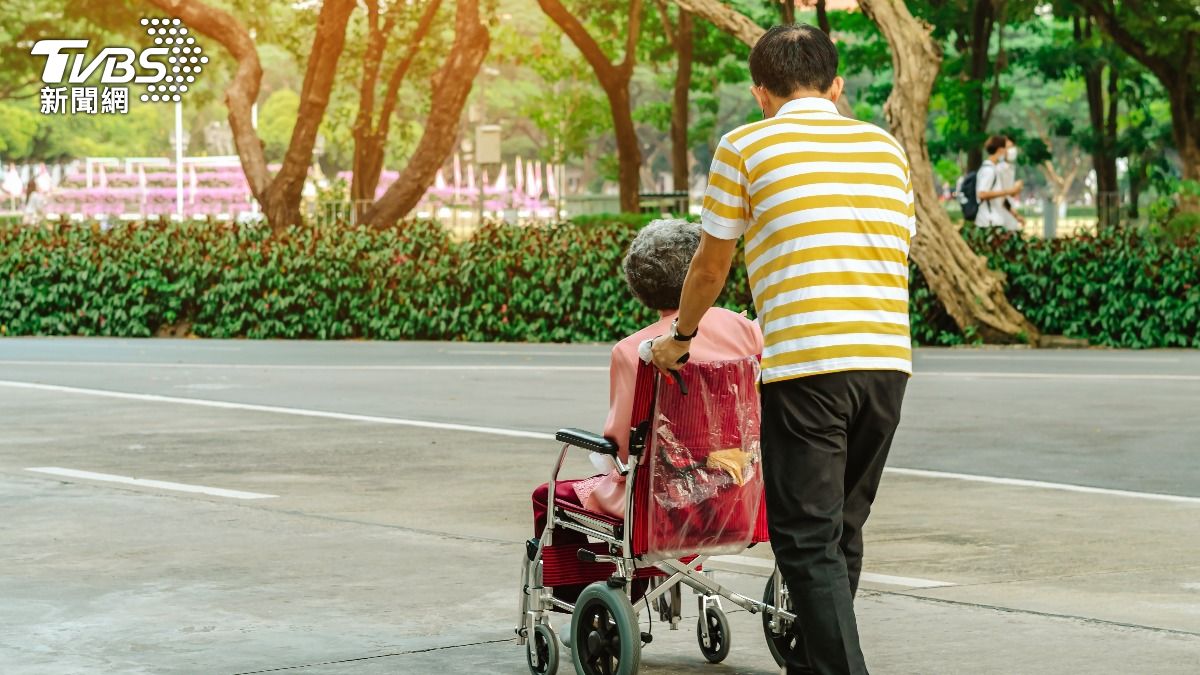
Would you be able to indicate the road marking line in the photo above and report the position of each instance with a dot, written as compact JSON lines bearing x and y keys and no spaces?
{"x":1065,"y":487}
{"x":485,"y":352}
{"x":539,"y":367}
{"x":1046,"y":357}
{"x":520,"y":433}
{"x":764,"y":567}
{"x":297,"y":366}
{"x":302,"y":412}
{"x":144,"y":482}
{"x":1059,"y":376}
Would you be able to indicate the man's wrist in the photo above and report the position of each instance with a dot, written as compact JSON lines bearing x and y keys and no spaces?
{"x":679,"y":335}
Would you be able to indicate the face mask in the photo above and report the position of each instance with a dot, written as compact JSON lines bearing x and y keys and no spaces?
{"x":1011,"y":155}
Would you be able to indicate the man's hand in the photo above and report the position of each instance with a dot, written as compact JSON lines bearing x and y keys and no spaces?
{"x":666,"y":351}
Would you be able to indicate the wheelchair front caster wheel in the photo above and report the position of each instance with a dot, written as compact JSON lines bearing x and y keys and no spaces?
{"x":605,"y":639}
{"x":718,"y":635}
{"x":542,"y":651}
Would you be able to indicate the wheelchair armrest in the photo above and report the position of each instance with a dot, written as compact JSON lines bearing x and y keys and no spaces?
{"x":587,"y":440}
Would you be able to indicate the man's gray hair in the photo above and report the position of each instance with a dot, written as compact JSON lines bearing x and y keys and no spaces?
{"x":658,"y":260}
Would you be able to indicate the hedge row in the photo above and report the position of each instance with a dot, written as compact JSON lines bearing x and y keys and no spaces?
{"x":558,"y":283}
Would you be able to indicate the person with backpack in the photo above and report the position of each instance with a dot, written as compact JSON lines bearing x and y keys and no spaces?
{"x":990,"y":191}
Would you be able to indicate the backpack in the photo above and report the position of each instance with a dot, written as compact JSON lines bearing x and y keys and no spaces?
{"x":968,"y":198}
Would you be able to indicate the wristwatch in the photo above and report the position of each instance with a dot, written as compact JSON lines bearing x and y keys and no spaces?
{"x":675,"y":332}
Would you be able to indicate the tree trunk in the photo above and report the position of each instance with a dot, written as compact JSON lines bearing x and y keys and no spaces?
{"x":282,"y":205}
{"x":242,"y":91}
{"x":279,"y":196}
{"x":787,"y":10}
{"x":629,"y":152}
{"x":370,"y":136}
{"x":680,"y":108}
{"x":450,"y":85}
{"x":614,"y":79}
{"x":822,"y":17}
{"x":972,"y":294}
{"x":982,"y":21}
{"x":1178,"y":74}
{"x":1103,"y":118}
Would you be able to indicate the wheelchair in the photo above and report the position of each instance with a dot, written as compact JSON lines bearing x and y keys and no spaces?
{"x":693,"y":490}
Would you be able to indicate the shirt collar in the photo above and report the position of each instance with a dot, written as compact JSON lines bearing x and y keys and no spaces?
{"x":808,"y":104}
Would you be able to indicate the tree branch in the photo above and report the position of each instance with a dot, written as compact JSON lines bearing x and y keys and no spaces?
{"x":726,"y":18}
{"x":1106,"y":16}
{"x":401,"y":70}
{"x":632,"y":33}
{"x":661,"y":5}
{"x":451,"y":85}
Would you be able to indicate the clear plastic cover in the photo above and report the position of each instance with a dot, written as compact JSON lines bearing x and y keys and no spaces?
{"x":705,"y":461}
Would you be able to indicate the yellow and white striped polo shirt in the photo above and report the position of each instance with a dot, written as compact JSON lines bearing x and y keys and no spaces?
{"x":826,"y":204}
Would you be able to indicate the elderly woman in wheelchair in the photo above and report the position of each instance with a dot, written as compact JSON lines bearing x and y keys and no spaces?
{"x":679,"y":480}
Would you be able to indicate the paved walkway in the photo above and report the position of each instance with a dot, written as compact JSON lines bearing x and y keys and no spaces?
{"x":360,"y":507}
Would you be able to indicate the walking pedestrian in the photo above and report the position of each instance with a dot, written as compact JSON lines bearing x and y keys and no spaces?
{"x":826,"y":206}
{"x":993,"y":190}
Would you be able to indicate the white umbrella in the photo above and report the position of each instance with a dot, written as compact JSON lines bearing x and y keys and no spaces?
{"x":457,"y":176}
{"x":439,"y":181}
{"x":13,"y":184}
{"x":43,"y":179}
{"x":502,"y":178}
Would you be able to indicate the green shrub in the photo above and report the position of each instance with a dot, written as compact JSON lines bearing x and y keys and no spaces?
{"x":558,"y":283}
{"x":1119,"y":288}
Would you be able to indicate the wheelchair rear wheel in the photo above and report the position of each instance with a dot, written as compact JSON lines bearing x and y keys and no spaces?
{"x":781,"y":640}
{"x":542,"y":651}
{"x":604,"y":633}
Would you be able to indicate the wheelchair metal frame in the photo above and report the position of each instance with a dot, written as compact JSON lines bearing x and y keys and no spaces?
{"x":538,"y":601}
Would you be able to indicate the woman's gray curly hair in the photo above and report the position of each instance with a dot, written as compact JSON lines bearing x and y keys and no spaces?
{"x":658,"y":260}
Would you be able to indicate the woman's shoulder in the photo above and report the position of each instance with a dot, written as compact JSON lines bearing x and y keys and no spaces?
{"x":729,"y":318}
{"x":628,"y":346}
{"x":732,"y":332}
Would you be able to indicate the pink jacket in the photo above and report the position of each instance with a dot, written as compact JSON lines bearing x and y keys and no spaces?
{"x":723,"y":335}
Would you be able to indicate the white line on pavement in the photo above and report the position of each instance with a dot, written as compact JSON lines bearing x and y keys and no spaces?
{"x":534,"y":367}
{"x":230,"y":405}
{"x":143,"y":482}
{"x":486,"y":352}
{"x":519,"y":433}
{"x":1065,"y":487}
{"x":298,"y":366}
{"x":1059,"y":376}
{"x":1045,"y":357}
{"x":763,"y":567}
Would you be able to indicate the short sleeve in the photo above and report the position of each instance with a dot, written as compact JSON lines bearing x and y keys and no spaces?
{"x":985,"y":180}
{"x":726,"y":210}
{"x":622,"y":380}
{"x":910,"y":204}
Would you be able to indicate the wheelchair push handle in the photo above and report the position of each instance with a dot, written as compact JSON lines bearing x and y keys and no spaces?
{"x":645,"y":355}
{"x":678,"y":377}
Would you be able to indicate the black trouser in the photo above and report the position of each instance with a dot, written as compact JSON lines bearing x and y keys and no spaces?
{"x":825,"y":439}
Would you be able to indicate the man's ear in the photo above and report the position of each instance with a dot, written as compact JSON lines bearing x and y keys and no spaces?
{"x":758,"y":98}
{"x":836,"y":89}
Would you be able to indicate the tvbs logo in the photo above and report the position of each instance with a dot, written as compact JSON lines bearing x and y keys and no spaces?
{"x":167,"y":69}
